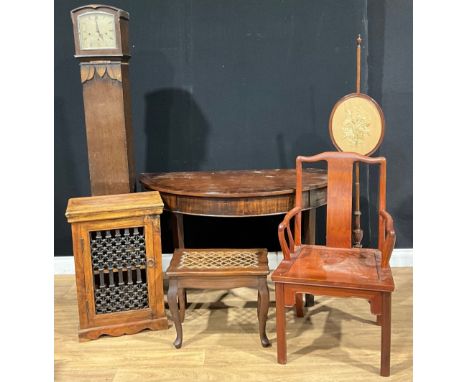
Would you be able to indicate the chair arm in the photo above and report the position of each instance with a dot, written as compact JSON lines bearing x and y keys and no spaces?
{"x":284,"y":225}
{"x":388,"y":243}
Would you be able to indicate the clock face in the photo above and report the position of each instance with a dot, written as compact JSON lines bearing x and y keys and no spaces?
{"x":97,"y":31}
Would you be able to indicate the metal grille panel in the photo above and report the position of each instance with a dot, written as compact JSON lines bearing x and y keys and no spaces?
{"x":119,"y":266}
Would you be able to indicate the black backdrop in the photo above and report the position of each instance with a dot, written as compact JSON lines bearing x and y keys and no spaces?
{"x":229,"y":84}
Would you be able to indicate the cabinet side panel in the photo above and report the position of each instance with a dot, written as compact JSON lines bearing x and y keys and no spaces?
{"x":78,"y":255}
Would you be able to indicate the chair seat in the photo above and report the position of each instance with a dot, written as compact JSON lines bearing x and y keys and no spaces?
{"x":218,"y":262}
{"x":354,"y":268}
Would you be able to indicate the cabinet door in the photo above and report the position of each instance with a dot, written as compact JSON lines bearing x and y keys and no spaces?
{"x":116,"y":269}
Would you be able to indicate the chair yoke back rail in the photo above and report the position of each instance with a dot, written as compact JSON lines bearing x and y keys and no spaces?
{"x":339,"y":204}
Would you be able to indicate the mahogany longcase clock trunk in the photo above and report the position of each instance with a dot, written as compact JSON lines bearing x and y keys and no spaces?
{"x":102,"y":47}
{"x":118,"y":263}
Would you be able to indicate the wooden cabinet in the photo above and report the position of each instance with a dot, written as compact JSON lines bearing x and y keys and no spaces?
{"x":118,"y":264}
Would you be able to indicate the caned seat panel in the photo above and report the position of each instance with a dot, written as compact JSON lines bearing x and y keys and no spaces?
{"x":218,"y":262}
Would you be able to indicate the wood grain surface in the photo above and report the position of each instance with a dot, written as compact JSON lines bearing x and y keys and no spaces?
{"x":236,"y":193}
{"x":241,"y":183}
{"x":113,"y":206}
{"x":336,"y":340}
{"x":357,"y":268}
{"x":107,"y":213}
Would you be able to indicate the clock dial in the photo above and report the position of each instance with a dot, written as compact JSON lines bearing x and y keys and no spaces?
{"x":97,"y":31}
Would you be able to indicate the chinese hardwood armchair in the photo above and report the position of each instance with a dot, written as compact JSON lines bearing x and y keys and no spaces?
{"x":337,"y":269}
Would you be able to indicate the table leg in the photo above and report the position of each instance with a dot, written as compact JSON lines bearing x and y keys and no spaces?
{"x":309,"y":226}
{"x":178,"y":230}
{"x":309,"y":238}
{"x":179,"y":242}
{"x":308,"y":223}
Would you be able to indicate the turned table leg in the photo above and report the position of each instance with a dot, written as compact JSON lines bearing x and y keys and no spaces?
{"x":310,"y":217}
{"x":172,"y":301}
{"x":309,"y":226}
{"x":178,"y":230}
{"x":262,"y":310}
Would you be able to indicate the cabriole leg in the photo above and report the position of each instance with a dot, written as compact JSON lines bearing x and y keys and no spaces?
{"x":181,"y":297}
{"x":172,"y":301}
{"x":262,"y":303}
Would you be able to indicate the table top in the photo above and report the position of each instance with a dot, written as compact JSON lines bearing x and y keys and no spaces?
{"x":233,"y":184}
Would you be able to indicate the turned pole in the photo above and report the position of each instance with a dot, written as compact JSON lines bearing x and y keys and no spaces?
{"x":357,"y":231}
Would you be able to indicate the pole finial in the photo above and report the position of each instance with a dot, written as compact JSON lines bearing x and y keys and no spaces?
{"x":358,"y":64}
{"x":359,"y":40}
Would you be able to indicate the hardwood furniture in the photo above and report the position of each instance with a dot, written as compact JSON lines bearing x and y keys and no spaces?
{"x":217,"y":269}
{"x":337,"y":269}
{"x":239,"y":194}
{"x":118,"y":266}
{"x":102,"y":47}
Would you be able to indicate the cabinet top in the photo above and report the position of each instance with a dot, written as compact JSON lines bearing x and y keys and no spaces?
{"x":113,"y":206}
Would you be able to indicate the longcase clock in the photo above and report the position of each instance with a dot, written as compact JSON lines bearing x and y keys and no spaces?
{"x":102,"y":47}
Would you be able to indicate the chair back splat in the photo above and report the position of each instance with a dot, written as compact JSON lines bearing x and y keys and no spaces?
{"x":339,"y":195}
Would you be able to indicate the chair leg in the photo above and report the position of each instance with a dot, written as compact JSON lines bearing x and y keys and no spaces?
{"x":280,"y":324}
{"x":182,"y":304}
{"x":172,"y":301}
{"x":386,"y":334}
{"x":262,"y":310}
{"x":299,"y":302}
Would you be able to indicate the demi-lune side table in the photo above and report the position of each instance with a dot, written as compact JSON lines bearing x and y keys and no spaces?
{"x":243,"y":193}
